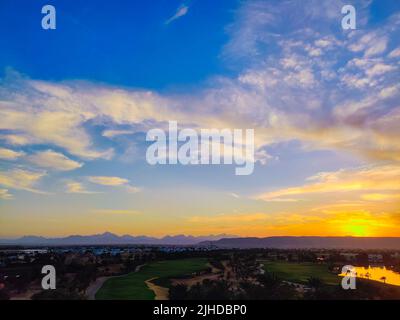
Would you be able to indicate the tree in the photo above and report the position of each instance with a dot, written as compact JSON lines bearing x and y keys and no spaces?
{"x":178,"y":292}
{"x":4,"y":295}
{"x":314,"y":282}
{"x":58,"y":294}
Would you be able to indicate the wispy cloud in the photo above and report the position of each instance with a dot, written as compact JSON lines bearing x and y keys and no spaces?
{"x":77,"y":187}
{"x":380,"y":196}
{"x":8,"y":154}
{"x":113,"y":133}
{"x":114,"y":182}
{"x":300,"y":81}
{"x":21,"y":179}
{"x":395,"y":53}
{"x":116,"y":212}
{"x":5,"y":195}
{"x":230,"y":218}
{"x":383,"y":178}
{"x":180,"y":12}
{"x":53,"y":160}
{"x":234,"y":195}
{"x":108,"y":181}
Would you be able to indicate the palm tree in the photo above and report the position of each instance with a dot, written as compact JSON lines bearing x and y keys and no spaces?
{"x":314,"y":282}
{"x":178,"y":292}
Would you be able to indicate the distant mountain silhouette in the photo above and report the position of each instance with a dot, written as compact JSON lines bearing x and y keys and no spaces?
{"x":110,"y":238}
{"x":220,"y":241}
{"x":308,"y":243}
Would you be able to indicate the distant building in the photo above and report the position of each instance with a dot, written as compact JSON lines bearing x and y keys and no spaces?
{"x":75,"y":258}
{"x":372,"y":257}
{"x":349,"y":256}
{"x":321,"y":257}
{"x":395,"y":255}
{"x":21,"y":257}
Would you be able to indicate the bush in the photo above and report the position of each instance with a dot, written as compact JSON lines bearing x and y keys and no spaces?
{"x":4,"y":295}
{"x":58,"y":294}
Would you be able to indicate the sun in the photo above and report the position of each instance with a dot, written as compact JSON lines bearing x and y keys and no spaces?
{"x":357,"y":230}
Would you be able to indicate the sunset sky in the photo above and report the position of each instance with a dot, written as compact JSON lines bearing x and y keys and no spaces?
{"x":76,"y":103}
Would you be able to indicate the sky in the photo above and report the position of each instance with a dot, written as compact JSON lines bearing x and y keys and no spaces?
{"x":76,"y":104}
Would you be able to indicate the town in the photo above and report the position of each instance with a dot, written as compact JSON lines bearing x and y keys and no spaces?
{"x":194,"y":272}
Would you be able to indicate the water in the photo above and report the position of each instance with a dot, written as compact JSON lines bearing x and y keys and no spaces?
{"x":380,"y":274}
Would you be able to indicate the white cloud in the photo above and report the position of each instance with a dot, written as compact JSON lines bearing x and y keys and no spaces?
{"x":356,"y":81}
{"x":8,"y":154}
{"x":5,"y":195}
{"x":380,"y":68}
{"x":108,"y":181}
{"x":230,"y":218}
{"x":180,"y":12}
{"x":53,"y":160}
{"x":132,"y":189}
{"x":112,"y":133}
{"x":263,"y":157}
{"x":395,"y":53}
{"x":314,"y":52}
{"x":285,"y":95}
{"x":372,"y":44}
{"x":322,"y":43}
{"x":376,"y":48}
{"x":45,"y":113}
{"x":382,"y":178}
{"x":114,"y":182}
{"x":77,"y":187}
{"x":14,"y":139}
{"x":389,"y":91}
{"x":21,"y":179}
{"x":304,"y":77}
{"x":116,"y":212}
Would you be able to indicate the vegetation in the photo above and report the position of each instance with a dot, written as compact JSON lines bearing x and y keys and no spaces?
{"x":265,"y":287}
{"x":133,"y":286}
{"x":4,"y":295}
{"x":302,"y":272}
{"x":58,"y":294}
{"x":266,"y":274}
{"x":207,"y":290}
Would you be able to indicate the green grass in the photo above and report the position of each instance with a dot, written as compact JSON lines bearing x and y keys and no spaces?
{"x":133,"y":287}
{"x":301,"y":272}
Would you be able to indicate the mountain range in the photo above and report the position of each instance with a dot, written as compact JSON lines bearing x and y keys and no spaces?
{"x":308,"y":243}
{"x":220,"y":241}
{"x":108,"y":238}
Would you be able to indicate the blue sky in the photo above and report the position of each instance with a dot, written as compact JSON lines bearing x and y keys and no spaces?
{"x":76,"y":103}
{"x":124,"y":43}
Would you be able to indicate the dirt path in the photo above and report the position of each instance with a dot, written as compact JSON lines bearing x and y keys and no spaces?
{"x":160,"y":292}
{"x":98,"y":283}
{"x":95,"y":286}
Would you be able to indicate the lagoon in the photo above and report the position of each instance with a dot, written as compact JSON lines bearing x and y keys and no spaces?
{"x":377,"y":273}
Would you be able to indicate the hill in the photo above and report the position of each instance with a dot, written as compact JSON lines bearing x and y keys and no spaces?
{"x":308,"y":242}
